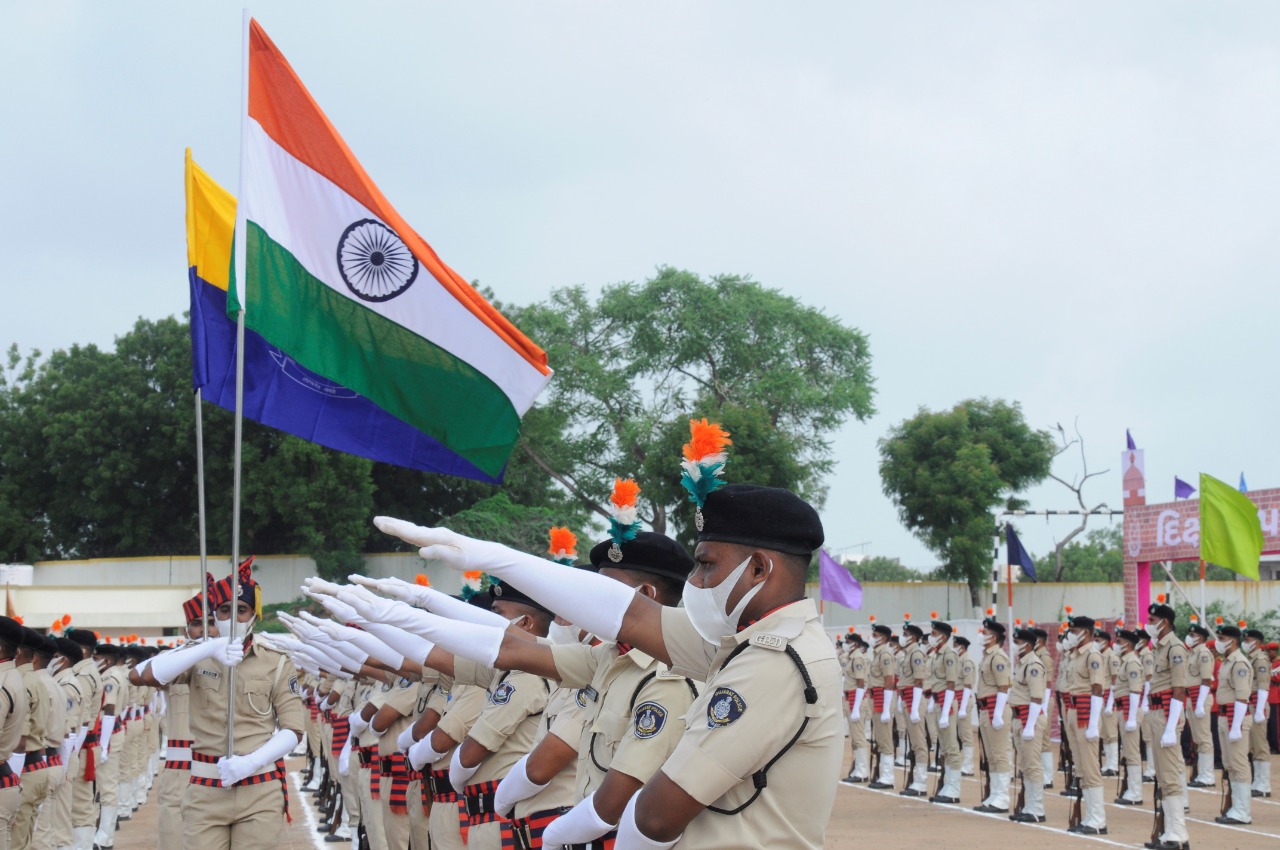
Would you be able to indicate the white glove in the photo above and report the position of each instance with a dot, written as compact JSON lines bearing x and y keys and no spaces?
{"x":231,"y":652}
{"x":1170,"y":736}
{"x":341,"y":611}
{"x":629,"y":835}
{"x":357,"y":724}
{"x":964,"y":703}
{"x":944,"y":722}
{"x":1029,"y":728}
{"x":1202,"y":700}
{"x":1111,"y":703}
{"x":233,"y":769}
{"x":169,"y":666}
{"x":856,"y":712}
{"x":1144,"y":706}
{"x":1095,"y":715}
{"x":405,"y":740}
{"x":1131,"y":722}
{"x":1239,"y":710}
{"x":409,"y":645}
{"x":18,"y":760}
{"x":104,"y":735}
{"x":344,"y":758}
{"x":431,"y":600}
{"x":422,"y":754}
{"x":888,"y":706}
{"x":917,"y":696}
{"x":580,"y":825}
{"x":460,"y":776}
{"x":931,"y":705}
{"x":479,"y":643}
{"x":366,"y":643}
{"x":1260,"y":713}
{"x":516,"y":786}
{"x":587,"y":600}
{"x":997,"y":718}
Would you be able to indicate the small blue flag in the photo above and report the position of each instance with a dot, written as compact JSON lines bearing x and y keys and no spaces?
{"x":1128,"y":438}
{"x":1018,"y":554}
{"x":1181,"y":489}
{"x":1244,"y":488}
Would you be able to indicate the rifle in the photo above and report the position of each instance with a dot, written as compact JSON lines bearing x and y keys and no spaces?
{"x":1022,"y":793}
{"x":1195,"y":758}
{"x":1157,"y":827}
{"x":1073,"y":820}
{"x":1067,"y":759}
{"x":911,"y":765}
{"x":1227,"y":801}
{"x":985,"y":767}
{"x":336,"y":820}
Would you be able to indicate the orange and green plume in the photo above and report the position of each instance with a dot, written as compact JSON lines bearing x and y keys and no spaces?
{"x":704,"y":458}
{"x":562,"y":545}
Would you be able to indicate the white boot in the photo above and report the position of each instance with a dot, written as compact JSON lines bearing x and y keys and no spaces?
{"x":1132,"y":786}
{"x":1204,"y":777}
{"x":1241,"y":810}
{"x":1032,"y":804}
{"x":1095,"y":814}
{"x":1110,"y":757}
{"x":998,"y":800}
{"x":1046,"y":762}
{"x":860,"y":759}
{"x":886,"y":779}
{"x":82,"y":838}
{"x":920,"y":779}
{"x":1262,"y":777}
{"x":966,"y":761}
{"x":1175,"y":820}
{"x":106,"y":836}
{"x":314,"y":784}
{"x":950,"y":791}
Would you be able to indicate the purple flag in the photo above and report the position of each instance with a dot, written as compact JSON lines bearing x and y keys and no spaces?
{"x":836,"y":583}
{"x":1128,"y":438}
{"x":1181,"y":489}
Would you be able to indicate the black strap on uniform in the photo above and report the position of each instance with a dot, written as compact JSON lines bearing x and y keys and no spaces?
{"x":631,"y":707}
{"x":760,"y":778}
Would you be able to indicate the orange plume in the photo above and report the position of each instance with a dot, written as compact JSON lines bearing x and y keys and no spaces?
{"x":561,"y":539}
{"x":625,"y":492}
{"x":907,"y":617}
{"x":1218,"y":620}
{"x":872,"y":618}
{"x":991,"y":612}
{"x":472,"y":575}
{"x":1160,"y":597}
{"x":1017,"y":621}
{"x":705,"y":438}
{"x":1243,"y":624}
{"x":1067,"y":609}
{"x":1031,"y":622}
{"x":851,"y":630}
{"x":421,"y":580}
{"x":933,"y":615}
{"x":1194,"y":618}
{"x":18,"y":620}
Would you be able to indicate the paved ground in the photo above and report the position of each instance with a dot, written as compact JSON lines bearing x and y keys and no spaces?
{"x":865,"y":818}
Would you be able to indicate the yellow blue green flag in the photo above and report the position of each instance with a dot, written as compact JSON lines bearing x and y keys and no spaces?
{"x":1230,"y":531}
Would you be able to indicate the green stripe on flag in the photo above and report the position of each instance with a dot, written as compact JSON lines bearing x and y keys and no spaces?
{"x":406,"y":375}
{"x":1230,"y":531}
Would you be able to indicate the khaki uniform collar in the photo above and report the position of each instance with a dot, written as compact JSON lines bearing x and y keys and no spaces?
{"x":640,"y":659}
{"x":26,"y":668}
{"x":8,"y":665}
{"x":786,"y":622}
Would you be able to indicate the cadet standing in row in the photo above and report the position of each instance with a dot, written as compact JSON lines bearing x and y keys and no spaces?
{"x":1087,"y":681}
{"x":1254,"y":648}
{"x":13,"y":706}
{"x":994,"y":680}
{"x":1026,"y":699}
{"x":1200,"y":706}
{"x":1128,"y":691}
{"x":1168,"y":699}
{"x":1235,"y":722}
{"x":944,"y":676}
{"x":883,"y":679}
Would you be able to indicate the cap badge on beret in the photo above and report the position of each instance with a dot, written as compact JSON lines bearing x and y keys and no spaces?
{"x":703,"y":464}
{"x":624,"y":525}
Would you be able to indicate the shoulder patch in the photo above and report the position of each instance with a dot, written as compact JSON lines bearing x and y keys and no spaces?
{"x":386,"y":686}
{"x":294,"y":687}
{"x":502,"y":695}
{"x":1034,"y":671}
{"x":1242,"y":671}
{"x":769,"y":641}
{"x":650,"y":718}
{"x":404,"y":682}
{"x":917,"y":661}
{"x":1095,"y":664}
{"x":1176,"y":659}
{"x":999,"y":667}
{"x":108,"y":687}
{"x":724,"y":708}
{"x":586,"y":695}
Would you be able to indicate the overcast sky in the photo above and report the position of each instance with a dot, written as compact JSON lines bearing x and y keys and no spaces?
{"x":1071,"y":205}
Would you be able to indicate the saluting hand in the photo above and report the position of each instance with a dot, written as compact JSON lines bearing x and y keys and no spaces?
{"x":231,"y":652}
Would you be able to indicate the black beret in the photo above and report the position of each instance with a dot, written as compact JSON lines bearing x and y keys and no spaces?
{"x":765,"y":517}
{"x":1125,"y":634}
{"x":1164,"y":612}
{"x":47,"y":646}
{"x":69,"y":648}
{"x":1025,"y":635}
{"x":961,"y":640}
{"x":1256,"y":634}
{"x":108,"y":650}
{"x":1040,"y":633}
{"x":993,"y":625}
{"x":881,"y":629}
{"x":912,"y":629}
{"x":648,"y":552}
{"x":1102,"y":633}
{"x":1229,"y":632}
{"x":480,"y":600}
{"x":1198,"y":629}
{"x":84,"y":637}
{"x":31,"y":639}
{"x":939,"y":625}
{"x":11,"y":631}
{"x":1142,"y":634}
{"x":501,"y":591}
{"x":1082,"y":622}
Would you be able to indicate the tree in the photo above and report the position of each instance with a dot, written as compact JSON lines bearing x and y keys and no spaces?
{"x":634,"y":365}
{"x":1076,"y":486}
{"x":880,"y":568}
{"x":948,"y":471}
{"x":1096,"y":558}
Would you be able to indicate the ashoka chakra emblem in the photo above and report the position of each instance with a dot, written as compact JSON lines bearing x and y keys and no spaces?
{"x":374,"y":262}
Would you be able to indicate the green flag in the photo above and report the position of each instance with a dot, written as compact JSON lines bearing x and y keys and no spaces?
{"x":1230,"y":532}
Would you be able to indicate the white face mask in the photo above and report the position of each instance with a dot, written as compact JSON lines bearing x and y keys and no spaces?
{"x":1249,"y":646}
{"x":563,"y":635}
{"x":1221,"y":645}
{"x":1073,"y":638}
{"x":237,"y":632}
{"x":936,"y":640}
{"x":1192,"y":641}
{"x":706,"y":605}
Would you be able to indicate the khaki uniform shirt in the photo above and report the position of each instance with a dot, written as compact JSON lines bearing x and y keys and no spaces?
{"x":178,"y":711}
{"x":1085,"y":670}
{"x":1148,"y":661}
{"x":1129,"y":680}
{"x":1235,"y":680}
{"x":1170,"y":664}
{"x":913,"y":664}
{"x":631,"y":707}
{"x":1111,"y":660}
{"x":267,"y":698}
{"x":1028,"y":681}
{"x":968,"y":672}
{"x":1064,"y":671}
{"x":465,"y":704}
{"x":1261,"y":670}
{"x":89,"y":682}
{"x":993,"y":672}
{"x":749,"y":711}
{"x":115,"y":690}
{"x":14,"y":705}
{"x":1200,"y":665}
{"x":508,"y":725}
{"x":566,"y":719}
{"x":34,"y":731}
{"x":859,"y":668}
{"x":69,"y":684}
{"x":944,"y":668}
{"x":364,"y":693}
{"x":882,"y":666}
{"x":56,"y":725}
{"x":401,"y":695}
{"x":1046,"y":659}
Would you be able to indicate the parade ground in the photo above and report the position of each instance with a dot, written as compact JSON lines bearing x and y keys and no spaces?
{"x":864,"y":818}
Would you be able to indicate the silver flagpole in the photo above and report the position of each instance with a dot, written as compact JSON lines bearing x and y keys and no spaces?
{"x":204,"y":540}
{"x":242,"y":286}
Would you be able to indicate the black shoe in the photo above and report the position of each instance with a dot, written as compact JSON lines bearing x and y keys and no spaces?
{"x":880,"y":786}
{"x":1231,"y":821}
{"x":1121,"y":801}
{"x":1168,"y":845}
{"x":1027,"y":817}
{"x":1087,"y":830}
{"x":323,"y":826}
{"x":334,"y":839}
{"x":1257,"y":793}
{"x":990,"y":810}
{"x":1048,"y":785}
{"x":910,"y":792}
{"x":938,"y":798}
{"x":1149,"y":779}
{"x":1067,"y":792}
{"x":970,"y":773}
{"x":933,"y":768}
{"x":1109,"y":772}
{"x":1196,"y":783}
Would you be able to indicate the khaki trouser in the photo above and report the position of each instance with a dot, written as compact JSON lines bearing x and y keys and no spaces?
{"x":247,"y":817}
{"x":372,"y":822}
{"x":1258,"y":745}
{"x":84,"y":809}
{"x":1130,"y":742}
{"x":419,"y":822}
{"x":53,"y":829}
{"x":1235,"y":754}
{"x":172,"y":787}
{"x":108,"y":772}
{"x":1171,"y":772}
{"x":1084,"y":752}
{"x":882,"y":732}
{"x":1028,"y":752}
{"x":857,"y":728}
{"x":964,"y":725}
{"x":10,"y":800}
{"x":486,"y":836}
{"x":394,"y":826}
{"x":916,"y":733}
{"x":1200,"y":727}
{"x":995,"y":742}
{"x":946,"y":738}
{"x":350,"y":785}
{"x":35,"y":790}
{"x":443,"y":824}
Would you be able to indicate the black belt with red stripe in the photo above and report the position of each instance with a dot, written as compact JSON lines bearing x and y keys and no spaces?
{"x":437,"y":783}
{"x":8,"y":779}
{"x":1160,"y":700}
{"x":479,"y":802}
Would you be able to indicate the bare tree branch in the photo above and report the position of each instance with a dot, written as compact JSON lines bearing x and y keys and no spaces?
{"x":1076,"y":486}
{"x":564,"y":481}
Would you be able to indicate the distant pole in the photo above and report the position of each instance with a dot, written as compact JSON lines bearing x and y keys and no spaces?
{"x":204,"y":542}
{"x":1203,"y":606}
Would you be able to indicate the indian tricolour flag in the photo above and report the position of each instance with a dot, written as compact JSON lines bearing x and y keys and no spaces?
{"x":342,"y":284}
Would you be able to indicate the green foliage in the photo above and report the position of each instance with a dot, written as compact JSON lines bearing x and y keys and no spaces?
{"x":948,"y":471}
{"x":880,"y":568}
{"x":501,"y":520}
{"x":1267,"y":621}
{"x":1097,"y":557}
{"x":634,"y":365}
